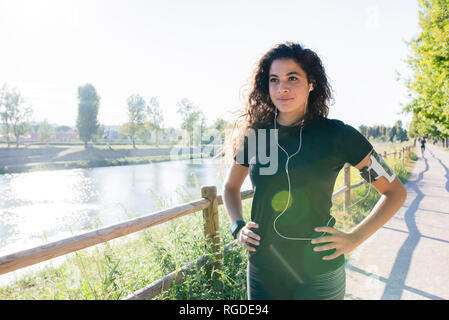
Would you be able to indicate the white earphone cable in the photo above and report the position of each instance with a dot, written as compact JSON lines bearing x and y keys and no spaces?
{"x":289,"y":185}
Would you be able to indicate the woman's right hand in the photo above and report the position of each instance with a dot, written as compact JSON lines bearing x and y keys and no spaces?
{"x":247,"y":237}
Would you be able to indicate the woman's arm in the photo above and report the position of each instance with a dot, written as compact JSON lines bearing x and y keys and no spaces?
{"x":393,"y":197}
{"x":389,"y":203}
{"x":231,"y":191}
{"x":233,"y":204}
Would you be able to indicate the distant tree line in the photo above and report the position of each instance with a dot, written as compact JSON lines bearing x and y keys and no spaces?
{"x":385,"y":134}
{"x":145,"y":120}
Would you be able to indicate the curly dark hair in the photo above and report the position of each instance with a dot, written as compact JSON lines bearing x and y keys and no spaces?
{"x":259,"y":110}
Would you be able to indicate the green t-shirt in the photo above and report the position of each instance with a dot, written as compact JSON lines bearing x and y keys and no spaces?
{"x":423,"y":142}
{"x":327,"y":144}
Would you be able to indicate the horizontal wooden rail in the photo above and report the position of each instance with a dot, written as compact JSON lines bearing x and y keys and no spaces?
{"x":243,"y":195}
{"x":338,"y":192}
{"x":54,"y":249}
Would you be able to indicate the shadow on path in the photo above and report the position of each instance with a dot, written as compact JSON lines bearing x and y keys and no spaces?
{"x":380,"y":278}
{"x":396,"y":281}
{"x":424,"y":237}
{"x":446,"y":169}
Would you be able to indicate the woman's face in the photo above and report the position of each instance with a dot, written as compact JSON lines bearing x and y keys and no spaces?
{"x":289,"y":88}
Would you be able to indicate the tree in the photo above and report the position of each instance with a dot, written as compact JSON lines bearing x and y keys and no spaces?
{"x":45,"y":132}
{"x":221,"y":126}
{"x":87,"y":122}
{"x":401,"y":134}
{"x":136,"y":113}
{"x":423,"y":127}
{"x":124,"y":131}
{"x":4,"y":112}
{"x":15,"y":116}
{"x":155,"y":117}
{"x":392,"y":134}
{"x":143,"y":133}
{"x":99,"y":134}
{"x":192,"y":118}
{"x":429,"y":88}
{"x":363,"y":130}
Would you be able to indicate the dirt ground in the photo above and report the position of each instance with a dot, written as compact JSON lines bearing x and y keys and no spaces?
{"x":25,"y":156}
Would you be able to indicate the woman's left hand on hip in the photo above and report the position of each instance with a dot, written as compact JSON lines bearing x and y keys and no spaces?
{"x":342,"y":242}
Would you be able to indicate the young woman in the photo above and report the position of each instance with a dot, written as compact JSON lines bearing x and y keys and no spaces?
{"x":293,"y":250}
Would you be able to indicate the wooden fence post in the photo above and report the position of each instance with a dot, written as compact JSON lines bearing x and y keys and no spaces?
{"x":210,"y":216}
{"x":347,"y":182}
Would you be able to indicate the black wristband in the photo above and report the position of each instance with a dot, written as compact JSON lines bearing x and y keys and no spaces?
{"x":236,"y":226}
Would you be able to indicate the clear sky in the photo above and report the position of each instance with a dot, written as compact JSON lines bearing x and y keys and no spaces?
{"x":201,"y":50}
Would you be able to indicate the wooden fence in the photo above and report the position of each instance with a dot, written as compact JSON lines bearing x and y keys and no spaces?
{"x":208,"y":203}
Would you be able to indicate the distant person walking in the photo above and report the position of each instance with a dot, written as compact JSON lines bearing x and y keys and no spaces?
{"x":423,"y":145}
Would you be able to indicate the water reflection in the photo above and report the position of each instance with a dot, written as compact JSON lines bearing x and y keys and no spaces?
{"x":44,"y":206}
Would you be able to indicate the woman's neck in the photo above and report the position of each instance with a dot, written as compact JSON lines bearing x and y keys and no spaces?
{"x":291,"y":121}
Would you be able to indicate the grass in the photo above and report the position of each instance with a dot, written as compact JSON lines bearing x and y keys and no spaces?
{"x":119,"y":267}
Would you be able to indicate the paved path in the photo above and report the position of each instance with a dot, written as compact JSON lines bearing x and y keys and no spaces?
{"x":408,"y":258}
